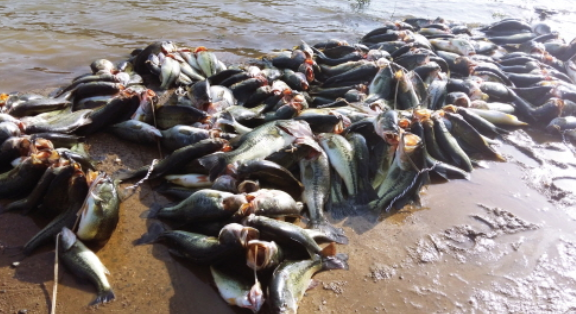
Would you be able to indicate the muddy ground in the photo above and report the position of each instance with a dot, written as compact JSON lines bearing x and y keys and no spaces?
{"x":503,"y":242}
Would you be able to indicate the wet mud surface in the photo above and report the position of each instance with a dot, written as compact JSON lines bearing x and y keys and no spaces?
{"x":503,"y":242}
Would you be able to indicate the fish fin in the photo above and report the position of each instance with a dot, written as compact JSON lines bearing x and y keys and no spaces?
{"x":215,"y":163}
{"x":152,"y":212}
{"x":154,"y":231}
{"x":329,"y":250}
{"x":313,"y":284}
{"x":334,"y":234}
{"x":338,"y":261}
{"x":104,"y":297}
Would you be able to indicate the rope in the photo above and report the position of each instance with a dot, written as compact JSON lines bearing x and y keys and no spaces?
{"x":137,"y":184}
{"x":424,"y":170}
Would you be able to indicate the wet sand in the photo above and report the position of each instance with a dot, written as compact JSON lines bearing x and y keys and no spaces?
{"x":450,"y":255}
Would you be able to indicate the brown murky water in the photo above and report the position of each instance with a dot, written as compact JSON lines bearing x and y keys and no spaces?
{"x":449,"y":256}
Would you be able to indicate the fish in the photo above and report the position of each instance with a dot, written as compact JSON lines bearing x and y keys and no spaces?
{"x":66,"y":122}
{"x":118,"y":110}
{"x":77,"y":190}
{"x":291,"y":279}
{"x":85,"y":264}
{"x":170,"y":116}
{"x":341,"y":156}
{"x":99,"y":213}
{"x":195,"y":247}
{"x":561,"y":124}
{"x":271,"y":203}
{"x":27,"y":204}
{"x":238,"y":292}
{"x":403,"y":180}
{"x":26,"y":105}
{"x":207,"y":61}
{"x":287,"y":232}
{"x":460,"y":46}
{"x":169,"y":72}
{"x":315,"y":176}
{"x":203,"y":205}
{"x":258,"y":144}
{"x":450,"y":146}
{"x":498,"y":118}
{"x":179,"y":136}
{"x":8,"y":130}
{"x":136,"y":131}
{"x":176,"y":159}
{"x":21,"y":179}
{"x":262,"y":255}
{"x":191,"y":180}
{"x":269,"y":174}
{"x":473,"y":140}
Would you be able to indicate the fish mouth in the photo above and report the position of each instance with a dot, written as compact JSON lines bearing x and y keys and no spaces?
{"x":246,"y":209}
{"x":422,"y":115}
{"x":233,"y":203}
{"x":259,"y":254}
{"x":392,"y":138}
{"x":240,"y":233}
{"x":248,"y":234}
{"x":450,"y":108}
{"x":248,"y":186}
{"x":42,"y":145}
{"x":409,"y":143}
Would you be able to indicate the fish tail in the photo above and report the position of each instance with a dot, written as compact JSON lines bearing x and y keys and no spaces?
{"x":448,"y":172}
{"x":499,"y":157}
{"x":365,"y":194}
{"x":14,"y":206}
{"x":338,"y":261}
{"x":154,"y":232}
{"x":339,"y":210}
{"x":104,"y":296}
{"x":226,"y":118}
{"x":152,"y":212}
{"x":215,"y":163}
{"x":334,"y":234}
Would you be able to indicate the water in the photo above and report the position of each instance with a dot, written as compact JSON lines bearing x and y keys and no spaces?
{"x":47,"y":43}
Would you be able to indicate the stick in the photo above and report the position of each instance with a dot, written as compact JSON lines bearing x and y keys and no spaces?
{"x":55,"y":288}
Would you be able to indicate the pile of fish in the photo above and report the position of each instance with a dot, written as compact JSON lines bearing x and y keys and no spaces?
{"x":258,"y":152}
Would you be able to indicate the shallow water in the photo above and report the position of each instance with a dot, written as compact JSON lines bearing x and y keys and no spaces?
{"x":50,"y":42}
{"x":442,"y":257}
